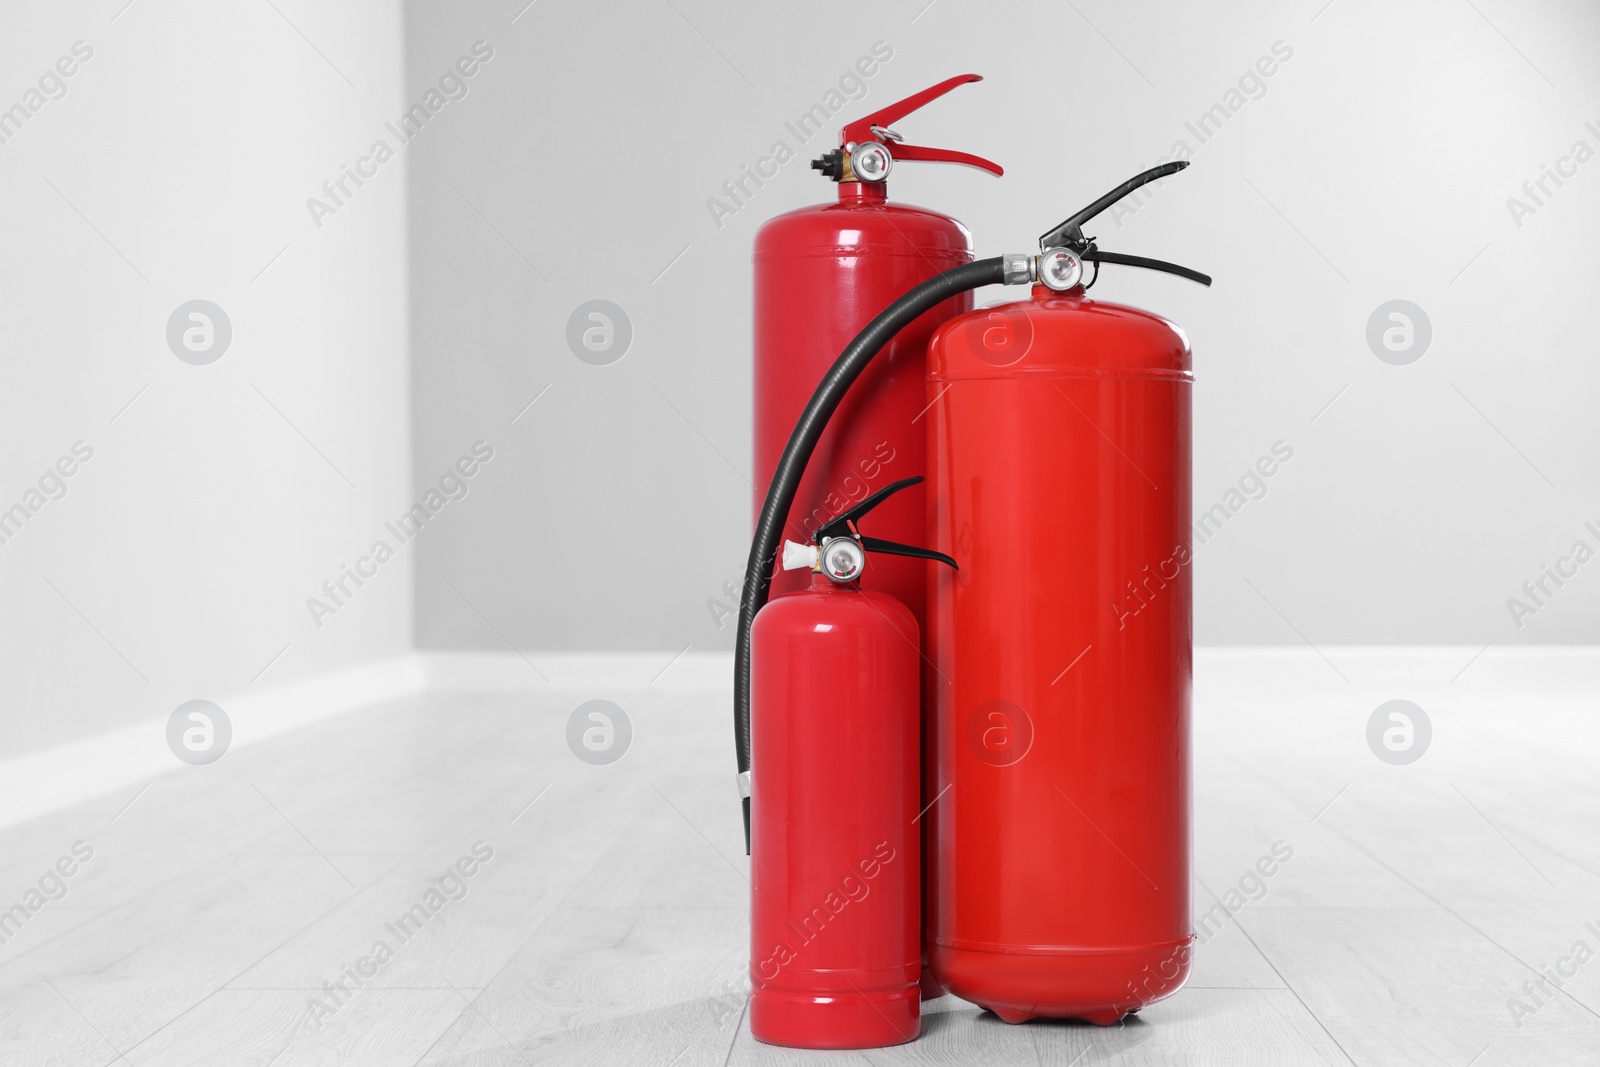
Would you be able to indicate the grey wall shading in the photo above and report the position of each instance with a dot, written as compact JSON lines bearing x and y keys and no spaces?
{"x":1340,"y":162}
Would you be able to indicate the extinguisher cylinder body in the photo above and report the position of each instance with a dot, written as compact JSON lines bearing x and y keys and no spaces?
{"x":835,"y":952}
{"x":1059,"y":448}
{"x":822,"y":273}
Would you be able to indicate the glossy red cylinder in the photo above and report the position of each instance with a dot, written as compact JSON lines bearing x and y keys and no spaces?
{"x":821,"y":274}
{"x":835,"y":951}
{"x":1059,"y":448}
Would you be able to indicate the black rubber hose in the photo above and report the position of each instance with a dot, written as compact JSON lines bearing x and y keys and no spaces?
{"x":797,"y":453}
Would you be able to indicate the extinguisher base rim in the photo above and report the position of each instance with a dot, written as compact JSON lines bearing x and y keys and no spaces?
{"x":871,"y":1019}
{"x":1097,"y":986}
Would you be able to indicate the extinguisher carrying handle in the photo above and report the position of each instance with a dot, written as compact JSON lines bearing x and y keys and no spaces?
{"x":918,"y":154}
{"x":803,"y":440}
{"x":1095,"y":255}
{"x":875,"y":127}
{"x":895,"y":548}
{"x":1070,"y":233}
{"x":861,"y":129}
{"x":845,"y":526}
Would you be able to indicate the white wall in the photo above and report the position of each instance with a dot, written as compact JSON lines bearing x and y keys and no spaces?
{"x":177,"y":166}
{"x":1375,"y":164}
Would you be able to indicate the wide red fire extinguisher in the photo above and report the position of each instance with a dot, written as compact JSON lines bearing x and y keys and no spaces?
{"x":835,"y":943}
{"x":821,"y":274}
{"x":1059,"y":479}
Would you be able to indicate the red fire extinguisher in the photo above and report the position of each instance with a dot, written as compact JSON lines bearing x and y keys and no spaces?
{"x":821,"y":274}
{"x":835,"y":944}
{"x":1059,"y":475}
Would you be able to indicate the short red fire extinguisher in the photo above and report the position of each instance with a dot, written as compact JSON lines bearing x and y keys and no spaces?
{"x":835,"y":944}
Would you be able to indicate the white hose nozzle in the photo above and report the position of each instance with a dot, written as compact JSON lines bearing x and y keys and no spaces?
{"x":799,"y":557}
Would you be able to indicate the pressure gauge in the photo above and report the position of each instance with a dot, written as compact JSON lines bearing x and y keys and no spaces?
{"x":871,"y":161}
{"x":1060,"y":268}
{"x":843,"y":559}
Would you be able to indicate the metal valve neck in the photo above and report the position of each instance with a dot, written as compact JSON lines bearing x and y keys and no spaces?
{"x":858,"y":192}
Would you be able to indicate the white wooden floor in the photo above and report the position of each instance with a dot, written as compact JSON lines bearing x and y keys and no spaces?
{"x":609,"y":926}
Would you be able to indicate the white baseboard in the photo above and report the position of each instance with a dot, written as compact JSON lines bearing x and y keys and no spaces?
{"x":1421,"y":665}
{"x":494,"y":672}
{"x":41,"y":782}
{"x":51,"y":779}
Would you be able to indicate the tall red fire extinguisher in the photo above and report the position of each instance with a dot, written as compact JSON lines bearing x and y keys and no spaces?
{"x":821,"y":274}
{"x":1059,"y":475}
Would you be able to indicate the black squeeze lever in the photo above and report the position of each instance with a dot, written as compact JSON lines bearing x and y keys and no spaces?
{"x":1069,"y":234}
{"x":844,"y":526}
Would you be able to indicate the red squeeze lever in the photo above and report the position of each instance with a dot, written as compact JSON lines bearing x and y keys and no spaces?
{"x":873,"y":146}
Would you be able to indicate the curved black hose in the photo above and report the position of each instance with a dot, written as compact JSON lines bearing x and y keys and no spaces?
{"x":797,"y":453}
